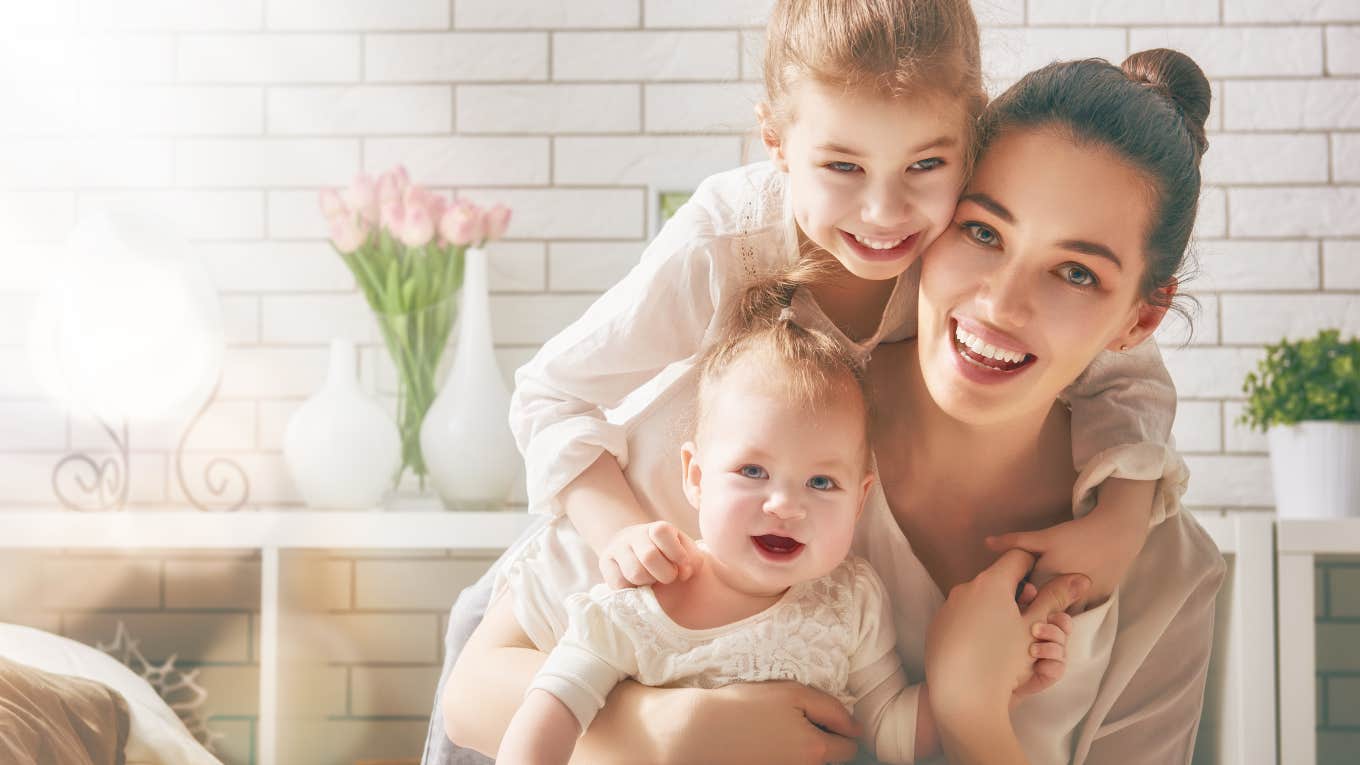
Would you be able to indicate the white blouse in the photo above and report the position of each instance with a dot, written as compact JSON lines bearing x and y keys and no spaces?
{"x":833,"y":633}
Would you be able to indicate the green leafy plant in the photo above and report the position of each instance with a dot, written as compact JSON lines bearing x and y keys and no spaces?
{"x":1315,"y":379}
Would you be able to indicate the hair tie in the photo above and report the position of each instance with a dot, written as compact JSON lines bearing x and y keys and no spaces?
{"x":786,"y":314}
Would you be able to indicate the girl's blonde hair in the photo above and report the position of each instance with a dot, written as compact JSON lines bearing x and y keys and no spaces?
{"x":892,"y":47}
{"x":806,"y":365}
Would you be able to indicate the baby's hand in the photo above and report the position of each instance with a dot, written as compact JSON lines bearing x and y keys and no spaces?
{"x":1101,"y":545}
{"x":649,"y":553}
{"x":1049,"y":651}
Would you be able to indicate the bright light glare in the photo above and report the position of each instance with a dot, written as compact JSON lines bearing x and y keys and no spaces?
{"x":128,"y":327}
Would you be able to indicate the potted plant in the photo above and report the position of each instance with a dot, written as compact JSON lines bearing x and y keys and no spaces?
{"x":1305,"y":395}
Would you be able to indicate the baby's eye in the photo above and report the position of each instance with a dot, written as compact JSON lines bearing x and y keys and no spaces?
{"x":927,"y":164}
{"x":1078,"y":276}
{"x":821,"y":483}
{"x":753,"y":471}
{"x":981,"y":234}
{"x":841,"y":167}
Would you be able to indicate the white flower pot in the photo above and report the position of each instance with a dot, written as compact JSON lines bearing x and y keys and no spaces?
{"x":1316,"y":469}
{"x":465,"y":438}
{"x":342,"y":449}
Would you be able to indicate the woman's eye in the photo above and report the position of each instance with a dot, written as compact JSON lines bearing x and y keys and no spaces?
{"x":842,"y":167}
{"x":1078,"y":276}
{"x":821,"y":483}
{"x":927,"y":164}
{"x":753,"y":471}
{"x":981,"y":234}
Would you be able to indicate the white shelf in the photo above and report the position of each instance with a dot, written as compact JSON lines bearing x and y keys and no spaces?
{"x":288,"y":541}
{"x":1319,"y":537}
{"x":302,"y":529}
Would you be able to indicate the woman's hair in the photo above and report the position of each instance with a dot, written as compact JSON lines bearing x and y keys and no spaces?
{"x":806,"y":365}
{"x":1150,"y":111}
{"x":890,"y":46}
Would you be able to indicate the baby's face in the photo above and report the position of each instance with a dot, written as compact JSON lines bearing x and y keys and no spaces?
{"x":778,"y":488}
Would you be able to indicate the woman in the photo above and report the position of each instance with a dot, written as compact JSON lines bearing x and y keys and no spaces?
{"x":1066,"y":243}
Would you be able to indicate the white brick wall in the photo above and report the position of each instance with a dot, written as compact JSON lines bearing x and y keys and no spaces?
{"x":229,"y":115}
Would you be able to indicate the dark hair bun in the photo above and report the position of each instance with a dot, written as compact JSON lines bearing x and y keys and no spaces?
{"x":1177,"y":77}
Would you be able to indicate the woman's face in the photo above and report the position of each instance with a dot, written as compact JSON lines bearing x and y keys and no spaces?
{"x":1039,"y":272}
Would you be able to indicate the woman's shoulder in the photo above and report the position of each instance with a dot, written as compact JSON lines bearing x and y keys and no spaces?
{"x":1178,"y":571}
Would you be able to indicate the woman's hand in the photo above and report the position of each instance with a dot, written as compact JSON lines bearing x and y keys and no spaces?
{"x":774,"y":723}
{"x":978,"y":647}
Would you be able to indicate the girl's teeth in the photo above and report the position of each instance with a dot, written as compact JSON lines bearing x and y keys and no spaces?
{"x":879,"y":244}
{"x":976,"y":345}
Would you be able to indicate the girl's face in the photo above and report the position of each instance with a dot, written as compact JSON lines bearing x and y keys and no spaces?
{"x":778,"y":489}
{"x":1039,"y":272}
{"x":872,"y":180}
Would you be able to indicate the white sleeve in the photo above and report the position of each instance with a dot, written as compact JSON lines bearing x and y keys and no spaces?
{"x":884,"y":703}
{"x":658,"y":314}
{"x":593,"y":656}
{"x":1123,"y":405}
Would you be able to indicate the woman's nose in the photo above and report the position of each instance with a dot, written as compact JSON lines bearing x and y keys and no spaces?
{"x":1006,"y":297}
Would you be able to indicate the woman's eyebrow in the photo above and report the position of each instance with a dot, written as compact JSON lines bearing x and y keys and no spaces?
{"x":993,"y":206}
{"x":1092,"y":248}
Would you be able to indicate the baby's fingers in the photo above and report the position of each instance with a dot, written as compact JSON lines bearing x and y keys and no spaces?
{"x":1051,"y":651}
{"x":1062,"y":620}
{"x":1050,"y":633}
{"x":653,"y":564}
{"x":613,"y":576}
{"x":669,"y":540}
{"x":1049,"y":671}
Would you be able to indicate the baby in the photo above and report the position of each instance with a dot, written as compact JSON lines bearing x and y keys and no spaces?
{"x":779,"y":470}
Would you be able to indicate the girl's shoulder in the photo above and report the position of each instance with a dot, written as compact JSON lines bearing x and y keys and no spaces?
{"x":743,"y":201}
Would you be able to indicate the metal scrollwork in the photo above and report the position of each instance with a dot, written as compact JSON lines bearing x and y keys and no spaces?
{"x":103,"y":483}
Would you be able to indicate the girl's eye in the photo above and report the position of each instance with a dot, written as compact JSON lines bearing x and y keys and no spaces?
{"x":1078,"y":276}
{"x":842,"y":167}
{"x":753,"y":471}
{"x":821,"y":483}
{"x":981,"y":234}
{"x":927,"y":164}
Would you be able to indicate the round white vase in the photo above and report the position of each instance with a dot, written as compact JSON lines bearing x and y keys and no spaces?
{"x":1316,"y":469}
{"x":465,"y":438}
{"x":342,"y":449}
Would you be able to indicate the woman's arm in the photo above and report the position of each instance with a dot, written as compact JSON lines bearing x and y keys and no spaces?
{"x":748,"y":724}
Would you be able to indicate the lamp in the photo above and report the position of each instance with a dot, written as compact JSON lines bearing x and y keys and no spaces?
{"x":129,"y":327}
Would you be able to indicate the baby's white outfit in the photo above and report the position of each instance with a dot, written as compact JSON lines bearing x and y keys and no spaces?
{"x":834,"y":633}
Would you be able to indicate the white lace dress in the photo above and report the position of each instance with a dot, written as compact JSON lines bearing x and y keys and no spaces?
{"x":834,"y":634}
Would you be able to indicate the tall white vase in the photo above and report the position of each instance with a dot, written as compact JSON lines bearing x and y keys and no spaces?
{"x":341,"y":447}
{"x":466,"y":438}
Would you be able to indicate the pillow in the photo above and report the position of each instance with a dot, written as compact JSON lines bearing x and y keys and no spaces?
{"x":157,"y":737}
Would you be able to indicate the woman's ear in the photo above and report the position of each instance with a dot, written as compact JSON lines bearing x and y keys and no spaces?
{"x":1147,"y":318}
{"x":692,"y":473}
{"x":769,"y":135}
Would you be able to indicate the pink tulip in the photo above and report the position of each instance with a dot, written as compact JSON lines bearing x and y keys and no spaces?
{"x":392,"y":185}
{"x":461,"y":224}
{"x":332,"y":206}
{"x":393,"y":217}
{"x":362,"y":197}
{"x":419,"y":228}
{"x":348,"y":233}
{"x":496,"y":221}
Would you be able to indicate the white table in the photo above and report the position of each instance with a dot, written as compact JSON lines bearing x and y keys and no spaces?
{"x":1297,"y":544}
{"x":288,"y":541}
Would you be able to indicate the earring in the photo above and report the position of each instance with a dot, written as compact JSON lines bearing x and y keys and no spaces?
{"x":1123,"y":347}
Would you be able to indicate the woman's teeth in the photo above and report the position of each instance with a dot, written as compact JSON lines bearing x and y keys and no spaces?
{"x":975,"y":344}
{"x":879,"y":244}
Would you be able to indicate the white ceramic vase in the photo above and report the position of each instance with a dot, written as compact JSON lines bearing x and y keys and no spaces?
{"x":1316,"y":469}
{"x":465,"y":438}
{"x":342,"y":449}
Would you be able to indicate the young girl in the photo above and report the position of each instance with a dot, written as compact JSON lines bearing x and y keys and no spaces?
{"x":778,"y":471}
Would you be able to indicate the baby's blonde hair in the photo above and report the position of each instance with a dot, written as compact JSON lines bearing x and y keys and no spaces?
{"x":806,"y":365}
{"x":891,"y":47}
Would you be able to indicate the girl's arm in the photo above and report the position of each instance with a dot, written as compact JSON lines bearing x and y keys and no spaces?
{"x":749,"y":724}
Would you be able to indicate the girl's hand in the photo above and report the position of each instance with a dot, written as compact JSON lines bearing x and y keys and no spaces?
{"x":978,"y":645}
{"x":1101,"y":544}
{"x":773,"y":723}
{"x":649,"y":553}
